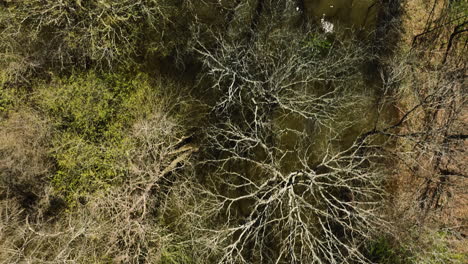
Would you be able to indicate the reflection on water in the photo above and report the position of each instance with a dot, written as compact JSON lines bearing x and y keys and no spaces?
{"x":350,"y":13}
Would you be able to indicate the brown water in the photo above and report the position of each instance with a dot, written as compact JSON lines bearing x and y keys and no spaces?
{"x":357,"y":14}
{"x":351,"y":120}
{"x":349,"y":13}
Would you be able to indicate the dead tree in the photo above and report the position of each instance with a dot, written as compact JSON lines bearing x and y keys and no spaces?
{"x":269,"y":196}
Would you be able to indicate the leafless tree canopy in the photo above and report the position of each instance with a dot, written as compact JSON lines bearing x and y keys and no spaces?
{"x":272,"y":194}
{"x":236,"y":132}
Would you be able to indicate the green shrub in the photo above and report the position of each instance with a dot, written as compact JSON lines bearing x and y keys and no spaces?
{"x":93,"y":116}
{"x":6,"y":99}
{"x":86,"y":105}
{"x":175,"y":255}
{"x":434,"y":248}
{"x":384,"y":251}
{"x":317,"y":45}
{"x":89,"y":140}
{"x":426,"y":247}
{"x":85,"y":167}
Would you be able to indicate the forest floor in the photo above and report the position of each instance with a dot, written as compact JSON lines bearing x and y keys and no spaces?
{"x":449,"y":213}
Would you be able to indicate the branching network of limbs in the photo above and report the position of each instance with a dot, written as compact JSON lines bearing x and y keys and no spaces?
{"x":319,"y":217}
{"x":319,"y":209}
{"x":281,"y":176}
{"x":313,"y":210}
{"x":119,"y":222}
{"x":61,"y":34}
{"x":431,"y":129}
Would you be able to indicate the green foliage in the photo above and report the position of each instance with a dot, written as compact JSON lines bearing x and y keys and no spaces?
{"x":459,"y":7}
{"x":429,"y":248}
{"x":119,"y":141}
{"x":435,"y":249}
{"x":85,"y":167}
{"x":317,"y":44}
{"x":92,"y":114}
{"x":384,"y":251}
{"x":7,"y":96}
{"x":86,"y":105}
{"x":175,"y":254}
{"x":6,"y":99}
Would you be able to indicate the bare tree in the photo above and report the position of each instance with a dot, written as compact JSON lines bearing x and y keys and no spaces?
{"x":119,"y":224}
{"x":276,"y":187}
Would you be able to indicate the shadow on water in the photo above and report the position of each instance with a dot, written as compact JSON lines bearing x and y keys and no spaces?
{"x":364,"y":99}
{"x":371,"y":22}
